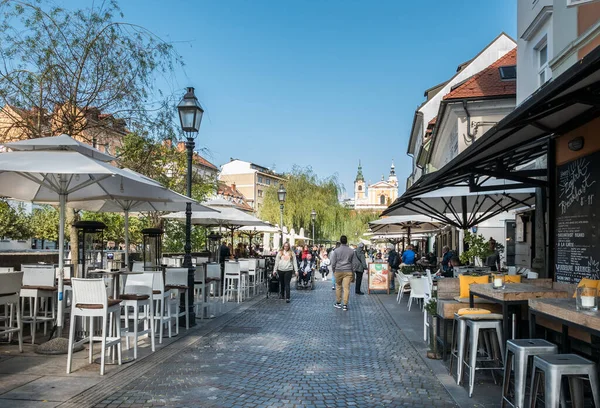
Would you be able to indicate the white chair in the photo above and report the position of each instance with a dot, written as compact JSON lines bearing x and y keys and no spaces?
{"x":162,"y":310}
{"x":91,"y":300}
{"x":7,"y":269}
{"x":403,"y":283}
{"x":418,"y":287}
{"x":9,"y":298}
{"x":233,"y":281}
{"x":138,"y":266}
{"x":252,"y":275}
{"x":138,"y":293}
{"x":213,"y":277}
{"x":429,"y":278}
{"x":38,"y":285}
{"x":244,"y":269}
{"x":176,"y":280}
{"x":262,"y":265}
{"x":426,"y":300}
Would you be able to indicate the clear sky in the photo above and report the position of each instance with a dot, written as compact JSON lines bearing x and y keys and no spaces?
{"x":319,"y":83}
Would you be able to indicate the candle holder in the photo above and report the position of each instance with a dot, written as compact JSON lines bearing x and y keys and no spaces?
{"x":587,"y":299}
{"x":498,"y":280}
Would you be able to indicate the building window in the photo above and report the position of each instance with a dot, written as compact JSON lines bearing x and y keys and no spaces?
{"x":542,"y":52}
{"x":260,"y":193}
{"x":268,"y":182}
{"x":260,"y":180}
{"x":382,"y":200}
{"x":359,"y":188}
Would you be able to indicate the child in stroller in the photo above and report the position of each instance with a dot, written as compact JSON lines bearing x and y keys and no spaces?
{"x":305,"y":272}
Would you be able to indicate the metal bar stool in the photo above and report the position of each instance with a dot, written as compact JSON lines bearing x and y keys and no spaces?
{"x":459,"y":336}
{"x":553,"y":368}
{"x":521,"y":350}
{"x":475,"y":325}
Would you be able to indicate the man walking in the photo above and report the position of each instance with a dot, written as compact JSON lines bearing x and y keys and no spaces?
{"x":361,"y":267}
{"x":341,"y":265}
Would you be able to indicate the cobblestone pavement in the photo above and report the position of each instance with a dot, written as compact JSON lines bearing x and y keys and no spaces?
{"x":302,"y":354}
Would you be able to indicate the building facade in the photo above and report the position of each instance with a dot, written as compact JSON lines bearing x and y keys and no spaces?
{"x":250,"y":179}
{"x":376,"y":196}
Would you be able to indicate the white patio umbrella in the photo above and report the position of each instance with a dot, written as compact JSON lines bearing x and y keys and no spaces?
{"x":155,"y":197}
{"x":61,"y":176}
{"x":404,"y":224}
{"x":61,"y":142}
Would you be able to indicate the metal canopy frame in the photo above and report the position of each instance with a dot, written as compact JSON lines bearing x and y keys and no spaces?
{"x":564,"y":104}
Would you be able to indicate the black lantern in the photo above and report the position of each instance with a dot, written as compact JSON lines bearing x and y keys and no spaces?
{"x":281,"y":194}
{"x":190,"y":112}
{"x":90,"y":235}
{"x":152,"y":248}
{"x":313,"y":215}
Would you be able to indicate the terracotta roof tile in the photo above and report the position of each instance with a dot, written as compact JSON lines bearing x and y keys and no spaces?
{"x":433,"y":121}
{"x":203,"y":162}
{"x":488,"y":81}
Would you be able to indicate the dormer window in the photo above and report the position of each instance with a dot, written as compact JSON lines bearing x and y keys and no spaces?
{"x":508,"y":73}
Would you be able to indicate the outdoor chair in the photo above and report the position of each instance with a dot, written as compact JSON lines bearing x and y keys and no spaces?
{"x":90,"y":300}
{"x":201,"y":286}
{"x":244,"y":269}
{"x":9,"y":298}
{"x":213,"y":277}
{"x":233,"y":278}
{"x":176,"y":280}
{"x":252,"y":275}
{"x":403,"y":283}
{"x":137,"y":294}
{"x":7,"y":269}
{"x":418,"y":290}
{"x":262,"y":264}
{"x":38,"y":286}
{"x":137,"y":266}
{"x":162,"y":311}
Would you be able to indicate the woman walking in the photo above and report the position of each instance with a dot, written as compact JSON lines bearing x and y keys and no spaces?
{"x":285,"y":266}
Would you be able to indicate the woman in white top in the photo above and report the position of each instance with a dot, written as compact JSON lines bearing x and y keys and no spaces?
{"x":285,"y":266}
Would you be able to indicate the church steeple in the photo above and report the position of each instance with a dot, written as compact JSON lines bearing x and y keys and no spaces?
{"x":393,"y":170}
{"x":359,"y":174}
{"x":392,"y":179}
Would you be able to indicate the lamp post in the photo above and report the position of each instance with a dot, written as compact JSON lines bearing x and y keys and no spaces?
{"x":281,"y":195}
{"x":313,"y":217}
{"x":190,"y":116}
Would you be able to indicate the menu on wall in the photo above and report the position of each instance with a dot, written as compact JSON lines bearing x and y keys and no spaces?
{"x":577,"y":221}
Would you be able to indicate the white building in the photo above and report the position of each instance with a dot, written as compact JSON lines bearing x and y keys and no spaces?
{"x":376,"y":196}
{"x":430,"y":108}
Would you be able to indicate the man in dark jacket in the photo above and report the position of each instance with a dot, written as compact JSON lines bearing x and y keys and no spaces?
{"x":394,"y":264}
{"x":360,"y":255}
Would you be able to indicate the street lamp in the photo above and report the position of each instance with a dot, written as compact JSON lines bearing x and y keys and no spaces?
{"x":313,"y":217}
{"x":190,"y":116}
{"x":281,"y":195}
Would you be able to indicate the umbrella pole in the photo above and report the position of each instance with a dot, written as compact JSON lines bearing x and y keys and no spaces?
{"x":61,"y":259}
{"x":127,"y":239}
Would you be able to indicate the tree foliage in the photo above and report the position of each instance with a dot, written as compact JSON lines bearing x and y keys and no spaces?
{"x":305,"y":192}
{"x":66,"y":62}
{"x":15,"y":223}
{"x":44,"y":223}
{"x":115,"y":226}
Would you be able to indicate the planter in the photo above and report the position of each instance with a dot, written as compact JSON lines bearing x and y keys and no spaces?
{"x":433,"y":352}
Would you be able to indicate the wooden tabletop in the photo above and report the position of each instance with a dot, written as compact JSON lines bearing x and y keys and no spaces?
{"x":514,"y":292}
{"x":565,"y":309}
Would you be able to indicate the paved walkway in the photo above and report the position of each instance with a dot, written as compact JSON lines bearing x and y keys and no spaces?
{"x":273,"y":354}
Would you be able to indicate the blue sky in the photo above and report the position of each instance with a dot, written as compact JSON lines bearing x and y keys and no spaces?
{"x":318,"y":83}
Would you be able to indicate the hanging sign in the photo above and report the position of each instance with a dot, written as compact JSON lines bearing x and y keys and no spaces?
{"x":578,"y":220}
{"x":379,"y":277}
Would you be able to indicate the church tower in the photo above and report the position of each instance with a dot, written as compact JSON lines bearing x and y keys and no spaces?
{"x":392,"y":179}
{"x":359,"y":185}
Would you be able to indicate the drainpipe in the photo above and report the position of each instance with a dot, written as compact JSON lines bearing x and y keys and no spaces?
{"x":469,"y":134}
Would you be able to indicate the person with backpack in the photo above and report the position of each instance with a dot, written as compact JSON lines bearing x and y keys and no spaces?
{"x":394,"y":264}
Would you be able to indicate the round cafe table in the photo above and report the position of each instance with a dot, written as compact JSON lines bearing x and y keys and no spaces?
{"x":115,"y":324}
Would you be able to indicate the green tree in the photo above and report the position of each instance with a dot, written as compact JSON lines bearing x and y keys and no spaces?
{"x":305,"y":192}
{"x":115,"y":226}
{"x":70,"y":62}
{"x":44,"y":223}
{"x":15,"y":223}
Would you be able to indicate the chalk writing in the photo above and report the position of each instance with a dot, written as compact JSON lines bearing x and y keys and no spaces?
{"x":574,"y":184}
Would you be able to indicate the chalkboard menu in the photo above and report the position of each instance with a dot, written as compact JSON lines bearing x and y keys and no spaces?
{"x":577,"y":221}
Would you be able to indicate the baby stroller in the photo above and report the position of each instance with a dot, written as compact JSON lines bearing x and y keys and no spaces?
{"x":308,"y":282}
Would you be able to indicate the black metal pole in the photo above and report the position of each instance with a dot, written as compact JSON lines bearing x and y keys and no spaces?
{"x":281,"y":220}
{"x":187,"y":258}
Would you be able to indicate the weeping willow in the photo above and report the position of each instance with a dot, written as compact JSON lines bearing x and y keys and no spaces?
{"x":305,"y":192}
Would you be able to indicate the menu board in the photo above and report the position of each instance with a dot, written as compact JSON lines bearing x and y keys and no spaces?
{"x":379,"y":277}
{"x":577,"y":220}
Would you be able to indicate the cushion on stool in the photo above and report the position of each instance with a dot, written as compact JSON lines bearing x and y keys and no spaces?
{"x":472,"y":310}
{"x":111,"y":302}
{"x":491,"y":316}
{"x":129,"y":296}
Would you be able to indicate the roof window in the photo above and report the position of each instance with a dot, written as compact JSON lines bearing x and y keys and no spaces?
{"x":508,"y":72}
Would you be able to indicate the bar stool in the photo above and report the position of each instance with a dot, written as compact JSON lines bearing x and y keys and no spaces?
{"x":459,"y":336}
{"x":554,"y":367}
{"x":521,"y":350}
{"x":475,"y":325}
{"x":233,"y":281}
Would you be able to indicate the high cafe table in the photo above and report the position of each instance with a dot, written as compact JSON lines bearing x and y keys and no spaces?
{"x":565,"y":312}
{"x":512,"y":297}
